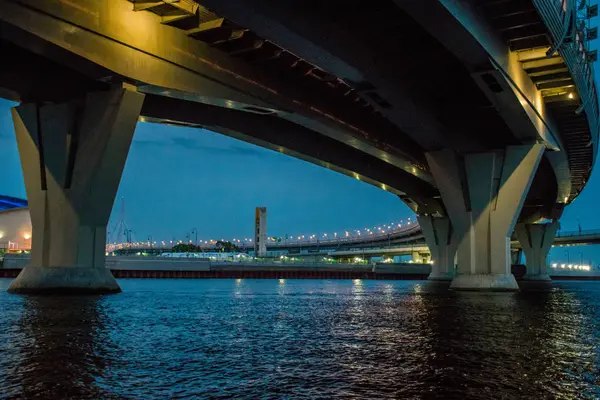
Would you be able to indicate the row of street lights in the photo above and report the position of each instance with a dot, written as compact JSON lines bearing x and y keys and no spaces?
{"x":375,"y":231}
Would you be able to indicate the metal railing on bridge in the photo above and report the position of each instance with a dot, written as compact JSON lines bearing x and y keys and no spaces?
{"x":559,"y":17}
{"x":586,"y":232}
{"x":350,"y":238}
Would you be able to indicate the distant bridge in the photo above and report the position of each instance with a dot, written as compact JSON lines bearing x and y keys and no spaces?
{"x":401,"y":241}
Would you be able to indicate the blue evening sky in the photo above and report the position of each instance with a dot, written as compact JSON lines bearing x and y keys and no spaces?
{"x":177,"y":179}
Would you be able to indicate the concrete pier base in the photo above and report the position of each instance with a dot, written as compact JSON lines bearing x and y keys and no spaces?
{"x":485,"y":282}
{"x":536,"y":241}
{"x":64,"y":280}
{"x":483,"y":194}
{"x":72,"y":156}
{"x":442,"y":245}
{"x":441,"y":276}
{"x":537,"y":278}
{"x":535,"y":285}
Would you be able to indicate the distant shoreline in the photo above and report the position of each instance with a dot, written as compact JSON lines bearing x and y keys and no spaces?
{"x":292,"y":273}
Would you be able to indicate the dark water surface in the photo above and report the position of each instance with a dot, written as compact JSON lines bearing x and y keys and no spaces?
{"x":290,"y":339}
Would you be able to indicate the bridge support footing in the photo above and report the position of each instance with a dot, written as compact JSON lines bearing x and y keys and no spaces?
{"x":442,"y":245}
{"x":72,"y":155}
{"x":65,"y":280}
{"x":485,"y":282}
{"x":483,"y":194}
{"x":536,"y":241}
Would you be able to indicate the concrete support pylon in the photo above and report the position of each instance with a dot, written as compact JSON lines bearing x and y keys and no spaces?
{"x":536,"y":240}
{"x":72,"y":156}
{"x":483,"y":194}
{"x":515,"y":256}
{"x":442,"y":245}
{"x":416,"y":257}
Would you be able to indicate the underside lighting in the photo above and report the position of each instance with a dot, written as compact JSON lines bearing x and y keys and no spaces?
{"x":570,"y":95}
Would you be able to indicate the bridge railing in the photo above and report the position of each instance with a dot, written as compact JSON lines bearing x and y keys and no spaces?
{"x":559,"y":17}
{"x":363,"y":238}
{"x":587,"y":232}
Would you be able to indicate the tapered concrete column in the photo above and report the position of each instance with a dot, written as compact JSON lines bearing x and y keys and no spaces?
{"x":442,"y":245}
{"x":72,"y":155}
{"x":536,"y":240}
{"x":483,"y":194}
{"x":515,"y":256}
{"x":416,"y":257}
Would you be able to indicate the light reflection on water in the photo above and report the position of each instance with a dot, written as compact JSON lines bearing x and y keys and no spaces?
{"x":301,"y":339}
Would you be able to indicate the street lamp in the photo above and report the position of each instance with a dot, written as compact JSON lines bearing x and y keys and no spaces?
{"x":27,"y":237}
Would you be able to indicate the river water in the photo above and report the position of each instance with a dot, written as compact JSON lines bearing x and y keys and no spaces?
{"x":293,"y":339}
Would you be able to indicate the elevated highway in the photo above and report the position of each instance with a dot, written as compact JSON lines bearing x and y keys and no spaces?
{"x":407,"y":241}
{"x":481,"y":116}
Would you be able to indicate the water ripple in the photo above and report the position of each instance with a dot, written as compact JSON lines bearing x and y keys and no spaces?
{"x":301,"y":339}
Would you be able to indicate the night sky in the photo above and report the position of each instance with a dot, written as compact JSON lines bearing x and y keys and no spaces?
{"x":177,"y":179}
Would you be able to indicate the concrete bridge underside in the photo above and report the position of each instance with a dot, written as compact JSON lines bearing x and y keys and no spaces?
{"x":448,"y":104}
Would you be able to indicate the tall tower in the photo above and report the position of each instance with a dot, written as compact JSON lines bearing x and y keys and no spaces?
{"x":260,"y":232}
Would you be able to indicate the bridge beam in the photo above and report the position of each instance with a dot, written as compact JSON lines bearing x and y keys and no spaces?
{"x":536,"y":240}
{"x":442,"y":246}
{"x":72,"y":156}
{"x":483,"y":194}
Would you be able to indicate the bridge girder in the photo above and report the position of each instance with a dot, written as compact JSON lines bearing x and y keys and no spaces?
{"x":358,"y":37}
{"x":110,"y":42}
{"x":401,"y":107}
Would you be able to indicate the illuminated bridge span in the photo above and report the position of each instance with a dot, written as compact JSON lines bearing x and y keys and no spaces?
{"x":396,"y":233}
{"x":405,"y":241}
{"x":481,"y":116}
{"x":418,"y":247}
